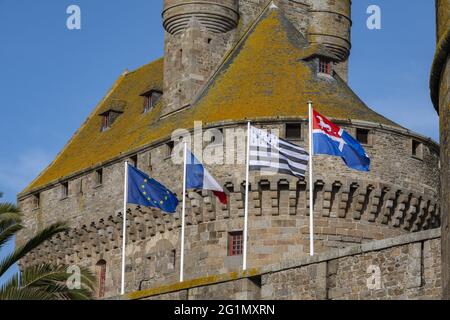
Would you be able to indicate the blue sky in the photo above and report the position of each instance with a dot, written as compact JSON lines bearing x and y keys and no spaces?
{"x":51,"y":78}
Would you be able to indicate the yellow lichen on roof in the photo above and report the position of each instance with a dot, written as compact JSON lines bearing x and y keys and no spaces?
{"x":263,"y":77}
{"x":266,"y":78}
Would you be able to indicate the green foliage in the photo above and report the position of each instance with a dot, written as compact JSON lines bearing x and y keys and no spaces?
{"x":40,"y":282}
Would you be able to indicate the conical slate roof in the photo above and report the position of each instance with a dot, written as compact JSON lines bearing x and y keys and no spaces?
{"x":268,"y":74}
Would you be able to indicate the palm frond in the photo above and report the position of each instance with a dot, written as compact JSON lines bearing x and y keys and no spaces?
{"x":8,"y":233}
{"x":9,"y":211}
{"x":53,"y":280}
{"x":16,"y":293}
{"x":32,"y":244}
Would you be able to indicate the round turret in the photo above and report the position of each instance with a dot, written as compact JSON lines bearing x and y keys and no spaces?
{"x":217,"y":16}
{"x":330,"y":26}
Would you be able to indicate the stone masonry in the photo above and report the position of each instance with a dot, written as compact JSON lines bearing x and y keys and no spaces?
{"x":440,"y":92}
{"x":354,"y":212}
{"x":351,"y":208}
{"x":406,"y":267}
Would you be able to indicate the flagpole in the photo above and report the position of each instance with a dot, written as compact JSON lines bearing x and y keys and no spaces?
{"x":183,"y":214}
{"x":124,"y":227}
{"x":247,"y":184}
{"x":311,"y":182}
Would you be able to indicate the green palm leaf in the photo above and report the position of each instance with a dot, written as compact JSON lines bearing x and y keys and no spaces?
{"x":32,"y":244}
{"x":42,"y":282}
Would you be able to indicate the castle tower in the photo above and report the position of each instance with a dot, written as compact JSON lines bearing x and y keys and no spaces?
{"x":196,"y":39}
{"x":440,"y":94}
{"x":330,"y":25}
{"x":230,"y":62}
{"x":199,"y":33}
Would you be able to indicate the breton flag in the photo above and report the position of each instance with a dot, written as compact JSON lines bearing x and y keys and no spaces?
{"x":197,"y":177}
{"x":331,"y":140}
{"x":271,"y":153}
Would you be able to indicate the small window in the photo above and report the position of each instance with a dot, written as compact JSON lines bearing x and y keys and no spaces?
{"x":101,"y":278}
{"x":64,"y":190}
{"x":417,"y":149}
{"x":80,"y":187}
{"x":173,"y":259}
{"x":134,"y":161}
{"x":149,"y":163}
{"x":235,"y":243}
{"x":99,"y":177}
{"x":151,"y":99}
{"x":106,"y":121}
{"x":325,"y":66}
{"x":362,"y":135}
{"x":36,"y":200}
{"x":108,"y":118}
{"x":293,"y":131}
{"x":169,"y":149}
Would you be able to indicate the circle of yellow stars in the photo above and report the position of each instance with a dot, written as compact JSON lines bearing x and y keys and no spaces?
{"x":149,"y":198}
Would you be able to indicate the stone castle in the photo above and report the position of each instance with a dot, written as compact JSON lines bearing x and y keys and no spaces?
{"x":228,"y":62}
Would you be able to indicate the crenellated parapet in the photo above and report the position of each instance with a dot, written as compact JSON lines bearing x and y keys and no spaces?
{"x":346,"y":212}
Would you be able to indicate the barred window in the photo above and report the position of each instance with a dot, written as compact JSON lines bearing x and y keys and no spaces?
{"x":106,"y":121}
{"x":325,"y":66}
{"x":235,"y":243}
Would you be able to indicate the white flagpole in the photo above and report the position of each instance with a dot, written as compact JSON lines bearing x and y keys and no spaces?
{"x":183,"y":214}
{"x":311,"y":182}
{"x":247,"y":184}
{"x":124,"y":234}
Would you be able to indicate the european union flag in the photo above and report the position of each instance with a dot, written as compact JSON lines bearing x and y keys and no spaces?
{"x":145,"y":191}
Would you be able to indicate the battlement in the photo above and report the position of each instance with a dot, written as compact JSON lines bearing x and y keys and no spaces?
{"x":346,"y":213}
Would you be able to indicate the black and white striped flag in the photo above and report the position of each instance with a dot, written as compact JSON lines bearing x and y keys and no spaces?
{"x":271,"y":153}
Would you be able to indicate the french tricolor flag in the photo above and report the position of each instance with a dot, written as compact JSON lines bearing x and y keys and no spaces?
{"x":197,"y":177}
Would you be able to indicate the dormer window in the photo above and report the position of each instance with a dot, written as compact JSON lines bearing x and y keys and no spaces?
{"x":108,"y":118}
{"x":151,"y":99}
{"x":325,"y":66}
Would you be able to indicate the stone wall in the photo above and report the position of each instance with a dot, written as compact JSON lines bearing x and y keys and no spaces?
{"x":440,"y":94}
{"x":398,"y":196}
{"x":445,"y":169}
{"x":406,"y":267}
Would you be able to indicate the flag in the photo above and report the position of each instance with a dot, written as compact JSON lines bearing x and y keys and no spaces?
{"x":197,"y":177}
{"x":271,"y":153}
{"x":331,"y":140}
{"x":145,"y":191}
